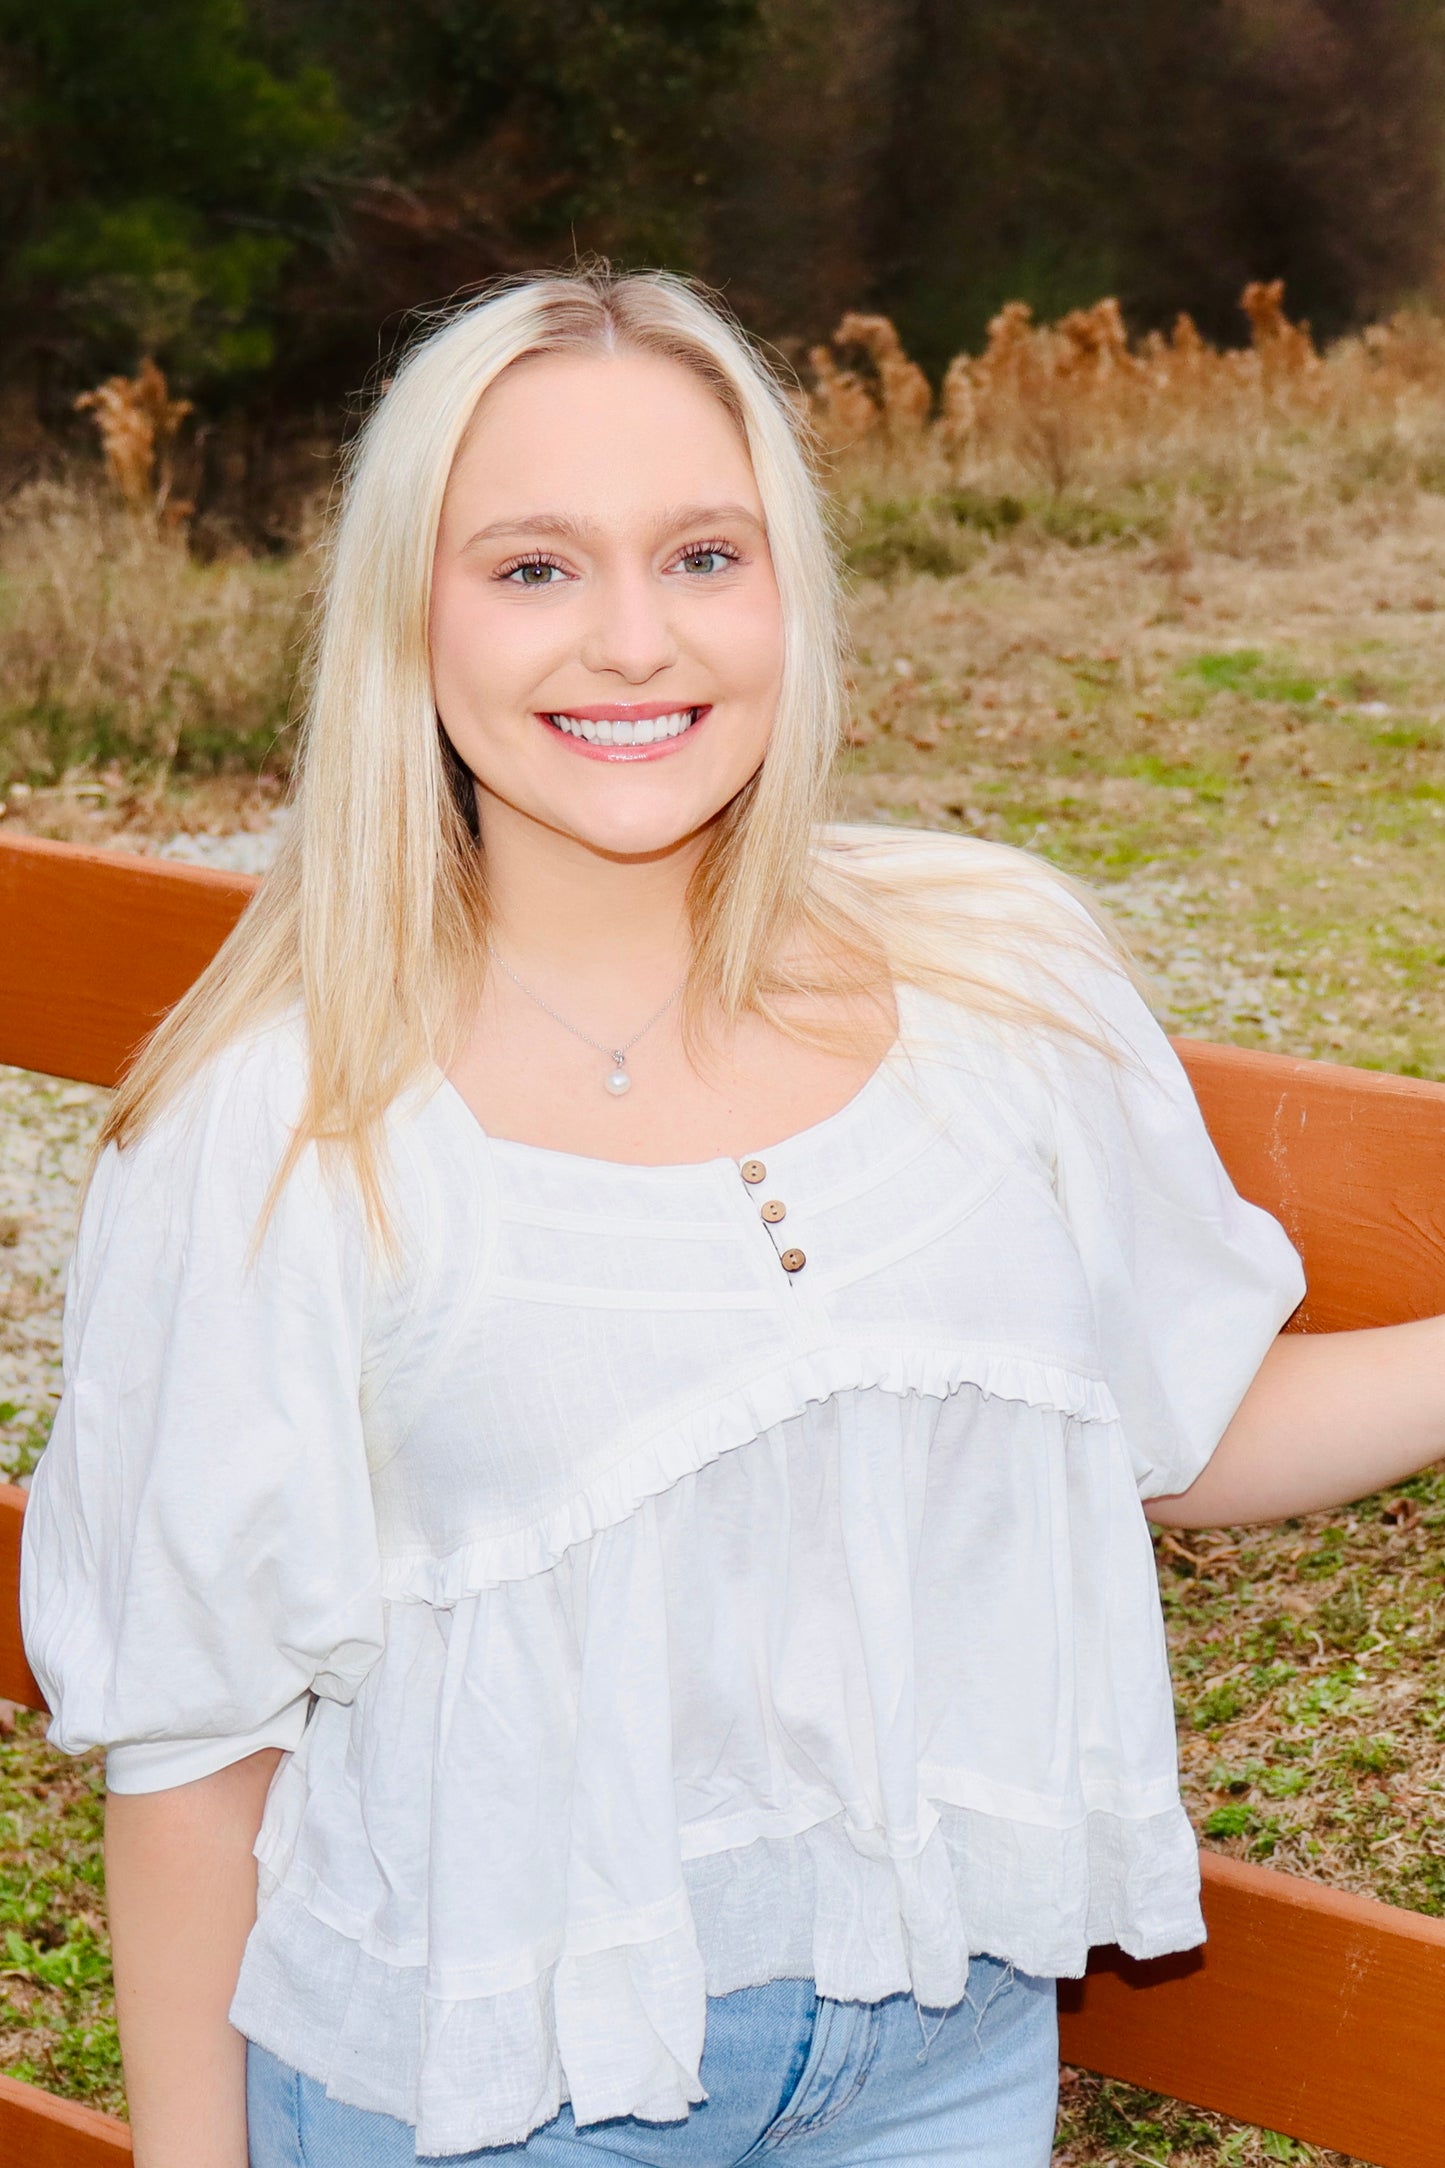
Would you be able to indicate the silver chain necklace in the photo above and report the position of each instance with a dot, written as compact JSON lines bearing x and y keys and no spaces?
{"x":619,"y":1081}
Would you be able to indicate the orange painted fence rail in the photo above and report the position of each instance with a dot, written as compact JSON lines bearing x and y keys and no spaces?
{"x":39,"y":2131}
{"x":1308,"y":2011}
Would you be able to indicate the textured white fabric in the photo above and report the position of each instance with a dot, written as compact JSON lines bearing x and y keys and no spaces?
{"x":646,"y":1620}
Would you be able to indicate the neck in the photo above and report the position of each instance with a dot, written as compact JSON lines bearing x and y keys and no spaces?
{"x":565,"y":913}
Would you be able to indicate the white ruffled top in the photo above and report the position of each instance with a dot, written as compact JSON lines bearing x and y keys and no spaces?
{"x":642,"y":1619}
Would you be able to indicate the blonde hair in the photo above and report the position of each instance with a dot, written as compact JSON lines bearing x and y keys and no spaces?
{"x":374,"y":914}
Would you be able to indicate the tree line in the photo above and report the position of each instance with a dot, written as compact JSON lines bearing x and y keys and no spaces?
{"x":263,"y":193}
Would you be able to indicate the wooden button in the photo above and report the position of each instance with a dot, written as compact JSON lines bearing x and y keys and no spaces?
{"x":753,"y":1170}
{"x":774,"y":1210}
{"x":792,"y":1260}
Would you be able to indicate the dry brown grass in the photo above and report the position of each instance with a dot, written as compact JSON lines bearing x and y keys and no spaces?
{"x":1249,"y":758}
{"x":118,"y":647}
{"x":1078,"y":404}
{"x":138,"y":422}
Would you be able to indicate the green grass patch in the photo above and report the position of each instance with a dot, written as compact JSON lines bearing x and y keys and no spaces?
{"x":57,"y":2023}
{"x":907,"y":535}
{"x":1206,"y":783}
{"x":942,"y":534}
{"x":986,"y":513}
{"x":20,"y":1453}
{"x":1254,"y":675}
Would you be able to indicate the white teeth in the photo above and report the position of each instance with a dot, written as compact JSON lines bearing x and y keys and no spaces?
{"x":647,"y":730}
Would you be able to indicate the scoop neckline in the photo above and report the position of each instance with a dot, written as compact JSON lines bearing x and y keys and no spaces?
{"x":872,"y":1083}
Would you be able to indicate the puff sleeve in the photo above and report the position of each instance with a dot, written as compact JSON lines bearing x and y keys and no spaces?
{"x":200,"y":1552}
{"x":1189,"y":1283}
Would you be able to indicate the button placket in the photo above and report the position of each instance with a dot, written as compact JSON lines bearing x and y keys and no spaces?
{"x":772,"y":1212}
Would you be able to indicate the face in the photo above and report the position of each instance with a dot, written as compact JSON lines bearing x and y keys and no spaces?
{"x":606,"y":634}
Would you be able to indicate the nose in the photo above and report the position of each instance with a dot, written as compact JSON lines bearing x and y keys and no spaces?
{"x":629,"y":634}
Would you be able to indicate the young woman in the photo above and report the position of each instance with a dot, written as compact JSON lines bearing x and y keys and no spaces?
{"x":616,"y":1343}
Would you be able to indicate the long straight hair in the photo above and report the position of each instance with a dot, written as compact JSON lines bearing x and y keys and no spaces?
{"x":374,"y":915}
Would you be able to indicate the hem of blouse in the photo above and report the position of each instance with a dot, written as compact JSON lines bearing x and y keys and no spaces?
{"x":265,"y":2010}
{"x":692,"y":1441}
{"x":263,"y":2013}
{"x":261,"y":2029}
{"x":1146,"y":1903}
{"x":1185,"y":1931}
{"x":292,"y":1881}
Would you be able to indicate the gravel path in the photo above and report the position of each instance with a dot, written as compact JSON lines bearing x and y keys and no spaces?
{"x":46,"y":1130}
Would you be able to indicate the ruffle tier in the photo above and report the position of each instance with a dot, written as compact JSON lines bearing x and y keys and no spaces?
{"x":619,"y":2031}
{"x":690,"y":1439}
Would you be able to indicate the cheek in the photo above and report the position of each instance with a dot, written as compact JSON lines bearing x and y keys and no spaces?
{"x":455,"y":642}
{"x":483,"y":654}
{"x":746,"y":644}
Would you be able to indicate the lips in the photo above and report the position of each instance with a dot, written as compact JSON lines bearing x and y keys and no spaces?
{"x":622,"y":733}
{"x":601,"y":729}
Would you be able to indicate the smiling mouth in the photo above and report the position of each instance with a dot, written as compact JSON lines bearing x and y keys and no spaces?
{"x":622,"y":731}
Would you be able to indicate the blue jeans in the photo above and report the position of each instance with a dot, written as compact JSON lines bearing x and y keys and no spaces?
{"x":839,"y":2084}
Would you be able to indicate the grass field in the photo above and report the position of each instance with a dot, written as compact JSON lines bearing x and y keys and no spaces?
{"x":1204,"y":669}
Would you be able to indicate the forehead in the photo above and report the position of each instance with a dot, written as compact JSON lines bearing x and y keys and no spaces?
{"x":598,"y":430}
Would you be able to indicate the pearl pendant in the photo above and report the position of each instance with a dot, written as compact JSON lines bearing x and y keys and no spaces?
{"x":619,"y":1082}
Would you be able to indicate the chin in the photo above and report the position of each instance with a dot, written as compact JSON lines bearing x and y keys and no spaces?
{"x":633,"y":827}
{"x":637,"y":839}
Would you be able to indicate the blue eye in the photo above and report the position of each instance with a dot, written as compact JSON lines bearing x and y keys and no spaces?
{"x":701,"y":563}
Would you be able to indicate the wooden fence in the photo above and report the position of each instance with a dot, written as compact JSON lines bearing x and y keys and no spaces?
{"x":1308,"y":2011}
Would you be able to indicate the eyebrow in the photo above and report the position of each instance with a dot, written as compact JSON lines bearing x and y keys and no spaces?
{"x":567,"y":529}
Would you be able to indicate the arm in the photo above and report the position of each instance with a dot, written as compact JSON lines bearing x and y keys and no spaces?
{"x":200,"y":1551}
{"x":1329,"y":1417}
{"x":181,"y":1893}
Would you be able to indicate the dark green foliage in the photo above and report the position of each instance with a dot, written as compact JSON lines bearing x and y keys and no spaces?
{"x":246,"y":186}
{"x":262,"y":191}
{"x":156,"y":181}
{"x":586,"y":121}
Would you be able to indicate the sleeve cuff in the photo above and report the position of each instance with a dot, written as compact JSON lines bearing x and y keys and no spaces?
{"x":157,"y":1765}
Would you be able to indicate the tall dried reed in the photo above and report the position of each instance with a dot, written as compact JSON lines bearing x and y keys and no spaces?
{"x":1078,"y":406}
{"x":138,"y":422}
